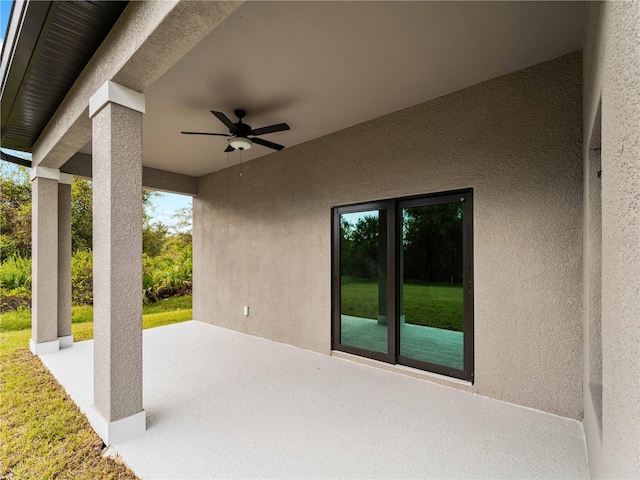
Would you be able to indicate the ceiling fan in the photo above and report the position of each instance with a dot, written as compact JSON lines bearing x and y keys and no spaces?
{"x":239,"y":133}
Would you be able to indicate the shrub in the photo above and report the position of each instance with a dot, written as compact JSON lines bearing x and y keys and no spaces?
{"x":15,"y":272}
{"x":82,"y":278}
{"x":167,"y":275}
{"x":164,"y":276}
{"x":15,"y":283}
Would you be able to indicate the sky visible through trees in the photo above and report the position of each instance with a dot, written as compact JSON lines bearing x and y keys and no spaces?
{"x":163,"y":206}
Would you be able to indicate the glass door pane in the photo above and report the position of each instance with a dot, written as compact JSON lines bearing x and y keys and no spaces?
{"x":431,"y":284}
{"x":363,"y":280}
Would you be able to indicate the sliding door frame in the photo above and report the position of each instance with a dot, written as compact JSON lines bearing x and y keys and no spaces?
{"x":336,"y":334}
{"x":466,"y":198}
{"x":394,"y":241}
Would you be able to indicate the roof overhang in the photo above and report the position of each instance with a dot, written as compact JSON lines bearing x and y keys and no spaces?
{"x":47,"y":46}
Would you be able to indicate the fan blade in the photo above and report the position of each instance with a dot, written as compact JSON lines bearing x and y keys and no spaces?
{"x":229,"y":149}
{"x":224,"y":119}
{"x":207,"y":133}
{"x":266,"y":143}
{"x":280,"y":127}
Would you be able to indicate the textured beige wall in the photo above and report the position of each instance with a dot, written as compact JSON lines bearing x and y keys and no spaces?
{"x":44,"y":258}
{"x":592,"y":84}
{"x":263,"y":239}
{"x":612,"y":75}
{"x":64,"y":260}
{"x":169,"y":181}
{"x":593,"y":273}
{"x":80,"y":165}
{"x":117,"y":261}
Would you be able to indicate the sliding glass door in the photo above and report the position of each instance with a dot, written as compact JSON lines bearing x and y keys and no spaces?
{"x":363,"y":287}
{"x":403,"y":282}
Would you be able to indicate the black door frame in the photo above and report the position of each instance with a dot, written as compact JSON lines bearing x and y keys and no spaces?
{"x":336,"y":343}
{"x":392,"y":207}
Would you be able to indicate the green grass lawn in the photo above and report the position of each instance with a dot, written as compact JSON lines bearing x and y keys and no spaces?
{"x":21,"y":319}
{"x":42,"y":432}
{"x":432,"y":305}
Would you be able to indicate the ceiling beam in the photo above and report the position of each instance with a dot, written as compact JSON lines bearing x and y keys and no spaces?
{"x":80,"y":165}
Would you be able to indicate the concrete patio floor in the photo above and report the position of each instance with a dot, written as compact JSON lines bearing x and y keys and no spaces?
{"x":222,"y":404}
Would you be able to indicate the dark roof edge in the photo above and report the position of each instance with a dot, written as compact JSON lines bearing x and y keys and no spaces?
{"x":13,"y":159}
{"x":28,"y":24}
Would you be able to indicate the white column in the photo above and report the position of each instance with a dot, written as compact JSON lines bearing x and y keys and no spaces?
{"x":64,"y":260}
{"x":116,"y":114}
{"x":44,"y":258}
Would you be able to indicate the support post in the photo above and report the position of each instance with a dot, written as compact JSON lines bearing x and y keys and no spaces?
{"x":64,"y":260}
{"x":116,"y":114}
{"x":44,"y":257}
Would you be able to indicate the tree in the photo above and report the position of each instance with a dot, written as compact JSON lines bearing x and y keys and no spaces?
{"x":182,"y":227}
{"x":15,"y":211}
{"x":15,"y":218}
{"x":154,"y":236}
{"x":81,"y":215}
{"x":432,"y":242}
{"x":360,"y":246}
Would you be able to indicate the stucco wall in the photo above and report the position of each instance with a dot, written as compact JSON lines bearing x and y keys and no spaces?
{"x":612,"y":76}
{"x":262,"y":238}
{"x":80,"y":166}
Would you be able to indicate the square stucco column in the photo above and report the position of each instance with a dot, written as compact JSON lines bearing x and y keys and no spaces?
{"x":44,"y":257}
{"x":64,"y":260}
{"x":620,"y":158}
{"x":116,"y":114}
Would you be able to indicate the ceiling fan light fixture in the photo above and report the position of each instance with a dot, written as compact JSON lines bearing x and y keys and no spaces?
{"x":240,"y":143}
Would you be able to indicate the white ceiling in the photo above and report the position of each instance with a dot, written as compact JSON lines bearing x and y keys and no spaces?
{"x":324,"y":66}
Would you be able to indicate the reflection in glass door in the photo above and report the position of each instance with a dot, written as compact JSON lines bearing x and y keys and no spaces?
{"x":363,"y":280}
{"x":431,"y":284}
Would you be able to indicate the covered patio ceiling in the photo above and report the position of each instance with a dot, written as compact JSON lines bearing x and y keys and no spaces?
{"x":324,"y":66}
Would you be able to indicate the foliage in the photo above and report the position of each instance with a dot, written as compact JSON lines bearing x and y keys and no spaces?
{"x":360,"y":247}
{"x":15,"y":218}
{"x":82,"y":278}
{"x":15,"y":283}
{"x":163,"y":276}
{"x":154,"y":236}
{"x":15,"y":211}
{"x":167,"y":275}
{"x":81,"y":215}
{"x":183,"y":220}
{"x":432,"y":240}
{"x":167,"y":263}
{"x":431,"y":243}
{"x":15,"y":272}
